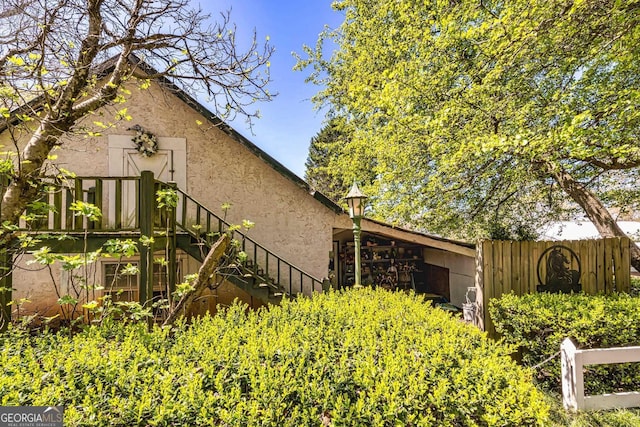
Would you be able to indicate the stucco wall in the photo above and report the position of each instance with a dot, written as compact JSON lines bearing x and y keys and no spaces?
{"x":289,"y":221}
{"x":220,"y":170}
{"x":35,"y":290}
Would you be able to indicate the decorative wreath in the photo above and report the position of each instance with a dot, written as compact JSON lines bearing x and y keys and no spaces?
{"x":146,"y":142}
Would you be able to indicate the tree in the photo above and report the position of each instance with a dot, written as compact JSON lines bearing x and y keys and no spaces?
{"x":61,"y":61}
{"x":484,"y":110}
{"x":325,"y":150}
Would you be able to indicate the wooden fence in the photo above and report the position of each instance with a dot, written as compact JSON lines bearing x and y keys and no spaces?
{"x":592,"y":266}
{"x":573,"y":360}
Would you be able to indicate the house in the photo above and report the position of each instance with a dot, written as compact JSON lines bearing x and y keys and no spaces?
{"x":300,"y":237}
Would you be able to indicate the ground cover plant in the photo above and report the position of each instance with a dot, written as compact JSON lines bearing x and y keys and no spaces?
{"x":362,"y":357}
{"x":537,"y":324}
{"x":559,"y":417}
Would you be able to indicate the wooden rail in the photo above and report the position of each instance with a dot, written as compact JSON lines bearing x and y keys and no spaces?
{"x":116,"y":197}
{"x":573,"y":361}
{"x":128,"y":202}
{"x":206,"y":226}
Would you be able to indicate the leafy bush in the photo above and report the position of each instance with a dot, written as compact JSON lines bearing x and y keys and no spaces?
{"x":362,"y":357}
{"x":635,"y":286}
{"x":537,"y":324}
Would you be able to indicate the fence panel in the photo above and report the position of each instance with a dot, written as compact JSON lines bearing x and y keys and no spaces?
{"x":591,"y":266}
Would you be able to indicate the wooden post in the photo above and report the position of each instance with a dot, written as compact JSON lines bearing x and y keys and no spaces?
{"x":480,"y":286}
{"x":173,"y":265}
{"x":6,"y":288}
{"x":572,"y":376}
{"x":146,"y":203}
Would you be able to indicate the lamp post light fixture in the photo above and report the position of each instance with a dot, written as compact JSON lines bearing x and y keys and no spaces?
{"x":356,"y":201}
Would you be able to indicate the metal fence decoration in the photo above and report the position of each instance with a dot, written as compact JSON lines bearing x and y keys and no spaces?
{"x":559,"y":276}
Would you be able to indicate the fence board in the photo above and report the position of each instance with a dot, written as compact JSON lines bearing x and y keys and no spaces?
{"x":487,"y":283}
{"x":600,"y":284}
{"x":590,"y":281}
{"x":617,"y":264}
{"x":497,"y":269}
{"x":533,"y":272}
{"x":516,"y":270}
{"x":608,"y":267}
{"x":508,"y":279}
{"x":524,"y":267}
{"x":625,"y":265}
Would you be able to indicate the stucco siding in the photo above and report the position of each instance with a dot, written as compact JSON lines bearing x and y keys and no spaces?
{"x":288,"y":220}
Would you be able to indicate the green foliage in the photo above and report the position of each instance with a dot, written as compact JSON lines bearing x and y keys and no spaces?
{"x":635,"y":286}
{"x":167,"y":197}
{"x":473,"y":113}
{"x":357,"y":358}
{"x":88,"y":210}
{"x":120,"y":247}
{"x":326,"y":150}
{"x":537,"y":324}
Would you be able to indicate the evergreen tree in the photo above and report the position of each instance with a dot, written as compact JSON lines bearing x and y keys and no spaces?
{"x":324,"y":149}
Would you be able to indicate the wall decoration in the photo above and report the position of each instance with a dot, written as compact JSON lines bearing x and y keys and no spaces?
{"x":554,"y":266}
{"x":146,"y":143}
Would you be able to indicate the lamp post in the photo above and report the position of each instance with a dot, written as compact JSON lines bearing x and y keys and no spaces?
{"x":356,"y":200}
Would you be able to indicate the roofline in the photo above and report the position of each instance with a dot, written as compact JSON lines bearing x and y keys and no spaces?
{"x":106,"y":67}
{"x":460,"y":243}
{"x":230,"y":131}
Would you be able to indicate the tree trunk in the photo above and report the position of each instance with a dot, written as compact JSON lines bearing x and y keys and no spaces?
{"x":24,"y":187}
{"x":596,"y":211}
{"x":206,"y":271}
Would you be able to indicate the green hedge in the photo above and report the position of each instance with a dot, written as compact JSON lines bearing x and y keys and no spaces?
{"x":635,"y":286}
{"x":362,"y":357}
{"x":537,"y":324}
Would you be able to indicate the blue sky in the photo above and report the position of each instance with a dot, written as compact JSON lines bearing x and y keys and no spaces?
{"x":289,"y":121}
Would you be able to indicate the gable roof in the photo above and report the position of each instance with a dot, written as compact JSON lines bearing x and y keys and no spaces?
{"x":236,"y":136}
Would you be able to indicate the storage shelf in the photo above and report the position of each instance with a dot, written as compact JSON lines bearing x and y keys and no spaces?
{"x":397,"y":260}
{"x":411,"y":255}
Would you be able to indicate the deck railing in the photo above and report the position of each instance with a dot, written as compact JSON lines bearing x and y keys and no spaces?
{"x":120,"y":200}
{"x":116,"y":197}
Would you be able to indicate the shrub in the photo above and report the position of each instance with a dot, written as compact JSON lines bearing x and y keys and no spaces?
{"x":635,"y":286}
{"x":537,"y":324}
{"x":343,"y":358}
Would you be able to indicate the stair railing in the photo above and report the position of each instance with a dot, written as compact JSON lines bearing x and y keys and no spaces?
{"x":119,"y":200}
{"x":273,"y":270}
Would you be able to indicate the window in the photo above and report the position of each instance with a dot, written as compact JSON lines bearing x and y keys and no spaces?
{"x":119,"y":283}
{"x":122,"y":285}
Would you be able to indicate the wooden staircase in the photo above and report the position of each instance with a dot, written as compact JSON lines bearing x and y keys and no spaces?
{"x":263,"y":274}
{"x":130,"y":210}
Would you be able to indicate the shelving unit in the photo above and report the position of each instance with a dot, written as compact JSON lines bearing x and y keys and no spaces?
{"x":386,"y":264}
